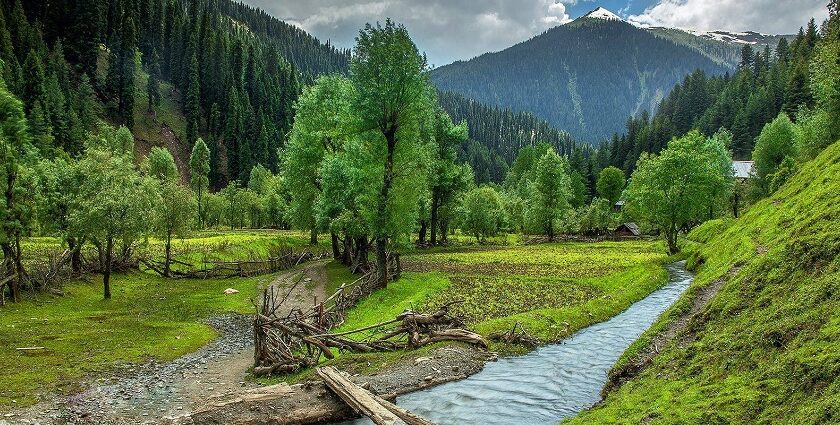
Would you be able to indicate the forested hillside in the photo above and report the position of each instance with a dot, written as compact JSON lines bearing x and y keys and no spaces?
{"x":497,"y":135}
{"x":216,"y":69}
{"x":585,"y":77}
{"x":767,"y":82}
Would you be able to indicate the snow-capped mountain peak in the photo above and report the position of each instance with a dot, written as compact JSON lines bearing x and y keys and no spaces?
{"x":601,"y":13}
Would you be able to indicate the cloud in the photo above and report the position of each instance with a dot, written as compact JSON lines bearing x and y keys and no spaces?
{"x":446,"y":30}
{"x":767,"y":16}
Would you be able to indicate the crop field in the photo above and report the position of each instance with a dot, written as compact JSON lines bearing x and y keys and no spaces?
{"x":551,"y":289}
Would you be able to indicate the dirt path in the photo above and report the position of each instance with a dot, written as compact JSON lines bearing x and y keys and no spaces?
{"x":150,"y":392}
{"x":674,"y":329}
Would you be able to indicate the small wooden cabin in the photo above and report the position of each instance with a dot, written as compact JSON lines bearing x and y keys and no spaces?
{"x":628,"y":230}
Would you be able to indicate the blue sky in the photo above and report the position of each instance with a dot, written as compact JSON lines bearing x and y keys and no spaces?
{"x":449,"y":30}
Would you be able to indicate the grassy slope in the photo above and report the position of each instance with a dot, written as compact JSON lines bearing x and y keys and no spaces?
{"x":149,"y":317}
{"x":766,"y":349}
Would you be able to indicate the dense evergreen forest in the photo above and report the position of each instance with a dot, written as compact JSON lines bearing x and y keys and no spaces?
{"x":501,"y":132}
{"x":767,"y":82}
{"x":236,"y":70}
{"x":584,"y":77}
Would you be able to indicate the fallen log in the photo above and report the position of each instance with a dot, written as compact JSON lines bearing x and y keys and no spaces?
{"x":357,"y":397}
{"x":407,"y":417}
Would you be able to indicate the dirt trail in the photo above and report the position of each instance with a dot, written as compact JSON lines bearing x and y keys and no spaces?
{"x":150,"y":392}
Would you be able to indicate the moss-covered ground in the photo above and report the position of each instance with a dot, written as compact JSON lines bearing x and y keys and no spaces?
{"x":767,"y":347}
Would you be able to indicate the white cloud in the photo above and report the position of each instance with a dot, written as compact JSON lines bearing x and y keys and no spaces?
{"x":767,"y":16}
{"x":446,"y":30}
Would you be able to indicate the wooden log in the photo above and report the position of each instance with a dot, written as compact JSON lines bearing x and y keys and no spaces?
{"x":357,"y":397}
{"x":407,"y":417}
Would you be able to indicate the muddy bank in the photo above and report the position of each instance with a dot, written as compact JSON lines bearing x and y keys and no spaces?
{"x":312,"y":402}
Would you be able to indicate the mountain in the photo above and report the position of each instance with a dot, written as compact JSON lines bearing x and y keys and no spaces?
{"x":723,"y":47}
{"x":585,"y":77}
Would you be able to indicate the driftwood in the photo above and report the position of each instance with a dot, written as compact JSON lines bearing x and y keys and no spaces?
{"x":287,"y":343}
{"x":357,"y":397}
{"x":516,"y":335}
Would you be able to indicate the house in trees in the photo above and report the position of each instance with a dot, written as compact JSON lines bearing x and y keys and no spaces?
{"x":628,"y":230}
{"x":743,"y":169}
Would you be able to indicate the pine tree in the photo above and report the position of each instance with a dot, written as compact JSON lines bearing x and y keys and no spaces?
{"x":192,"y":105}
{"x":86,"y":30}
{"x":127,"y":55}
{"x":199,"y":173}
{"x":33,"y":84}
{"x":153,"y":87}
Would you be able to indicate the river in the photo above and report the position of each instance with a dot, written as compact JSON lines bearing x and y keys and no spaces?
{"x":551,"y":383}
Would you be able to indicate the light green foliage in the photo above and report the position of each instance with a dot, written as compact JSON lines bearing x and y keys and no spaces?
{"x":483,"y":213}
{"x":394,"y":152}
{"x":776,"y":141}
{"x":323,"y":124}
{"x":173,"y":215}
{"x":113,"y":202}
{"x":610,"y":184}
{"x":813,"y":133}
{"x":596,"y":218}
{"x":161,"y":165}
{"x":765,"y":348}
{"x":675,"y":187}
{"x":550,"y":193}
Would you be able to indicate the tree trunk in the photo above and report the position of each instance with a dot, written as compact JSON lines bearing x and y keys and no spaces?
{"x":382,"y":262}
{"x":9,"y":266}
{"x":18,"y":269}
{"x":735,"y":204}
{"x":347,"y":248}
{"x":313,"y":236}
{"x":433,"y":221}
{"x":444,"y":232}
{"x":106,"y":276}
{"x":671,"y":236}
{"x":200,"y":220}
{"x":360,"y":257}
{"x":421,"y":238}
{"x":167,"y":270}
{"x":335,"y":247}
{"x":75,"y":247}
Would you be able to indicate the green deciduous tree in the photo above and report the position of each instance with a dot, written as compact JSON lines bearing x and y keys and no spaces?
{"x":392,"y":102}
{"x":550,"y":192}
{"x":610,"y":184}
{"x":672,"y":190}
{"x":776,"y":141}
{"x":14,"y":143}
{"x":113,"y":204}
{"x":322,"y":124}
{"x":161,"y":165}
{"x":173,"y":215}
{"x":483,"y":213}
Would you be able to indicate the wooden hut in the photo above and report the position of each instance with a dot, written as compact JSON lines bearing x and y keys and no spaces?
{"x":628,"y":230}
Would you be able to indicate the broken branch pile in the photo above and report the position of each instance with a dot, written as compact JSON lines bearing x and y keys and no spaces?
{"x":298,"y":339}
{"x":228,"y":269}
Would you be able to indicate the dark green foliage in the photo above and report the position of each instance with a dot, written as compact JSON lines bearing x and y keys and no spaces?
{"x":585,"y":77}
{"x":765,"y":84}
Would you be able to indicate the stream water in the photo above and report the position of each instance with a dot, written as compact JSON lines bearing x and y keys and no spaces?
{"x":551,"y":383}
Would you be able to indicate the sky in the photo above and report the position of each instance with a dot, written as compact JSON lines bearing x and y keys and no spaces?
{"x":450,"y":30}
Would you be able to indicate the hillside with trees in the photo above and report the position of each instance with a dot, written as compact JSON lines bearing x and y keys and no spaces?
{"x":585,"y":77}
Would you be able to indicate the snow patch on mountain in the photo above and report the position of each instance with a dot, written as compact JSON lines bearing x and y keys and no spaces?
{"x":601,"y":13}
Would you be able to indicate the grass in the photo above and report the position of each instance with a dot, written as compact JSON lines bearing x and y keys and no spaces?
{"x":553,"y":290}
{"x":766,"y":349}
{"x":84,"y":336}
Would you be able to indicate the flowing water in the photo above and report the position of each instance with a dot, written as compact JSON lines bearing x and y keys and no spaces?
{"x":551,"y":383}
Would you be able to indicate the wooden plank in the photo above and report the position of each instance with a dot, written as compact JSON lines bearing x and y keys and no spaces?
{"x":407,"y":417}
{"x":357,"y":397}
